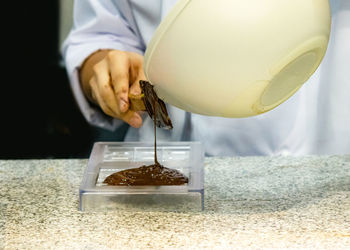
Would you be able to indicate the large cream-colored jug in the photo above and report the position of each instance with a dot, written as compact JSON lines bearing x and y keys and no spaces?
{"x":236,"y":58}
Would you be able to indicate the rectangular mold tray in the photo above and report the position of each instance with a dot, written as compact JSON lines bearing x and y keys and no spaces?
{"x":109,"y":157}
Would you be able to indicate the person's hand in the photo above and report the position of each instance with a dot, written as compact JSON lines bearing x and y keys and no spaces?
{"x":108,"y":76}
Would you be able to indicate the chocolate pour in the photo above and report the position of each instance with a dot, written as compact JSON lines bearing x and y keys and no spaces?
{"x":155,"y":174}
{"x":155,"y":132}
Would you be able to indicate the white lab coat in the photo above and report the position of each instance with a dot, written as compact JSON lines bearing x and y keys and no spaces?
{"x":316,"y":120}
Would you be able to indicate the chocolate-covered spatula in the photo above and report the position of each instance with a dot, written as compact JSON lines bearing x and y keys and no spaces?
{"x":147,"y":101}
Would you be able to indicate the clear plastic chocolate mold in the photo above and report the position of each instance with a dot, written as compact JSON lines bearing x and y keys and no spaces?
{"x":110,"y":157}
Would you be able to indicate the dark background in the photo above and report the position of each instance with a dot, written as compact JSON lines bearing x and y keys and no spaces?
{"x":39,"y":117}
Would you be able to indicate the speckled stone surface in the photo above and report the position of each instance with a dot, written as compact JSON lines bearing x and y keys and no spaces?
{"x":253,"y":202}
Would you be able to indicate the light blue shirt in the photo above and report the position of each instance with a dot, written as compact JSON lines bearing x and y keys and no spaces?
{"x":316,"y":120}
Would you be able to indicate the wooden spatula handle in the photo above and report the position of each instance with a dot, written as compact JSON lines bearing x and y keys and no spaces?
{"x":136,"y":102}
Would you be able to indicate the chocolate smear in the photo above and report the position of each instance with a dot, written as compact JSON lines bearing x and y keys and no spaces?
{"x":150,"y":100}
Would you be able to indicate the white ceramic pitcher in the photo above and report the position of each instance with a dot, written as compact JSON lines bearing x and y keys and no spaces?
{"x":236,"y":58}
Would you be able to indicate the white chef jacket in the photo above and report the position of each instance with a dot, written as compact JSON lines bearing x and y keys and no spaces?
{"x":316,"y":120}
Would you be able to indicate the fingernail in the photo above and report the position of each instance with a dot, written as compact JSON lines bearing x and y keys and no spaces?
{"x":135,"y":121}
{"x":123,"y":106}
{"x":135,"y":91}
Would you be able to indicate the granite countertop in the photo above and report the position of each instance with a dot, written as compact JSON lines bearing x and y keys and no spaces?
{"x":250,"y":202}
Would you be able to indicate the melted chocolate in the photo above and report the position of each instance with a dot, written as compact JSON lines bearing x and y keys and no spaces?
{"x":155,"y":174}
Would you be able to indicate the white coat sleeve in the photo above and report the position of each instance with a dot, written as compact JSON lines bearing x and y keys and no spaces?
{"x":98,"y":24}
